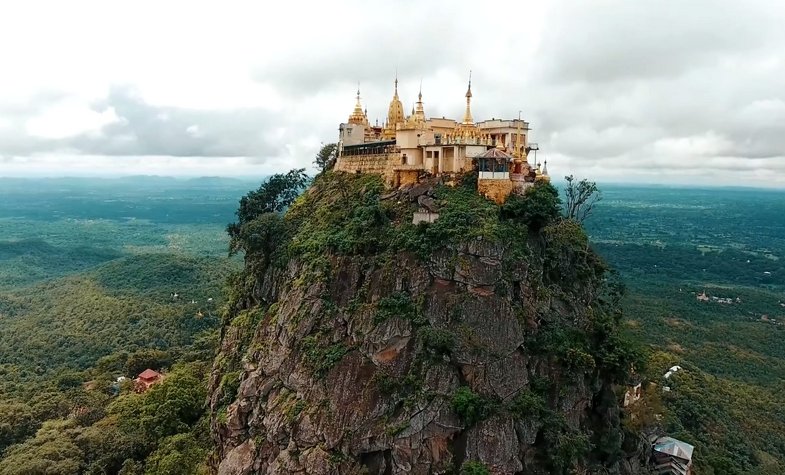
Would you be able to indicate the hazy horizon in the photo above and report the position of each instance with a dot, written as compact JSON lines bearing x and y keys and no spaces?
{"x":257,"y":179}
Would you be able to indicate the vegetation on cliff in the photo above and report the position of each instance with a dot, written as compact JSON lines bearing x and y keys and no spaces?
{"x":494,"y":320}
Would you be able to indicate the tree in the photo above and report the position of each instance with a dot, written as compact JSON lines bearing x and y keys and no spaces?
{"x":106,"y":447}
{"x":326,"y":157}
{"x":273,"y":196}
{"x":167,"y":408}
{"x":17,"y":422}
{"x":581,"y":198}
{"x":52,"y":451}
{"x":177,"y":454}
{"x":536,"y":208}
{"x":260,"y":238}
{"x":260,"y":227}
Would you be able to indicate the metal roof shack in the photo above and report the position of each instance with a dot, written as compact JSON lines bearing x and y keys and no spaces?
{"x":672,"y":456}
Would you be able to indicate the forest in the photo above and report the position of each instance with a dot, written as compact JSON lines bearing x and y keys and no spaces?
{"x":102,"y":279}
{"x":672,"y":245}
{"x":105,"y":278}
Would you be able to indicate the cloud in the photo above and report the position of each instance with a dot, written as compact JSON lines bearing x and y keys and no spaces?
{"x":69,"y":119}
{"x":145,"y":129}
{"x":659,"y":91}
{"x":609,"y":40}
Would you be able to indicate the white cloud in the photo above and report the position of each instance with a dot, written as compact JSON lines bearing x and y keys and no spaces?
{"x":648,"y":90}
{"x":68,"y":119}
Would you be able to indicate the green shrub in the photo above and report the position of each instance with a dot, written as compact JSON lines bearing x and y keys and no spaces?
{"x":566,"y":448}
{"x":536,"y":208}
{"x":473,"y":467}
{"x":437,"y":342}
{"x":471,"y":407}
{"x":230,"y":383}
{"x":579,"y":359}
{"x":528,"y":404}
{"x":398,"y":305}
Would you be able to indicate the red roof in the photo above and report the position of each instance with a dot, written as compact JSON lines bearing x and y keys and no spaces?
{"x":149,"y":374}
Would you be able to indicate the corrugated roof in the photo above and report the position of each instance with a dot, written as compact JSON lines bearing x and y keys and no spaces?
{"x":675,"y":447}
{"x":495,"y":153}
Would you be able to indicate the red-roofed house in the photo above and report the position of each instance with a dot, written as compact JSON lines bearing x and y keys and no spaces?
{"x":146,"y":379}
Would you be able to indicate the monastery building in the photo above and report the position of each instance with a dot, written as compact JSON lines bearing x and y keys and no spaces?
{"x":406,"y":148}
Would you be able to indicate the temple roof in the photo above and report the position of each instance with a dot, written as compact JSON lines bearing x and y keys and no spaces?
{"x":496,"y":154}
{"x":395,"y":111}
{"x":149,"y":374}
{"x":358,"y":116}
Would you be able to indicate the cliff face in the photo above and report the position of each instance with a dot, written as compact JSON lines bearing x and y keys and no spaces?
{"x":416,"y":350}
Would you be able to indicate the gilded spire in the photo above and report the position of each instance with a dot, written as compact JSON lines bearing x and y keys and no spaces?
{"x":395,"y":113}
{"x":358,"y":116}
{"x":419,"y":112}
{"x":467,"y":116}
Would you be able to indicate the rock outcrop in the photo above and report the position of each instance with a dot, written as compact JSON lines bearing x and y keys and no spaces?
{"x":484,"y":352}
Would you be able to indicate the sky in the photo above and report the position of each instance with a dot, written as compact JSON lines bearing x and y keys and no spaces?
{"x":665,"y":91}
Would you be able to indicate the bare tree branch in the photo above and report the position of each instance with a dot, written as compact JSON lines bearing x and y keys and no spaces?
{"x":581,"y":196}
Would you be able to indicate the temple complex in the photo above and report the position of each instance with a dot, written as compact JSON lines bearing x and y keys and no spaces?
{"x":405,"y":148}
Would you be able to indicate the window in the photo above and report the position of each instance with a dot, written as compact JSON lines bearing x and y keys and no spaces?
{"x":437,"y":138}
{"x":428,"y":154}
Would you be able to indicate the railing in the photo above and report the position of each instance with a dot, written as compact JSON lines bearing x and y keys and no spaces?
{"x":494,"y":175}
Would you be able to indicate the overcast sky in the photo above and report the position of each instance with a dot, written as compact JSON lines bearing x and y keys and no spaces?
{"x":615,"y":90}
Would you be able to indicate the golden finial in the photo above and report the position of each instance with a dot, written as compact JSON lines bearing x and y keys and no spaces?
{"x":358,"y":116}
{"x":467,"y":116}
{"x":419,"y":112}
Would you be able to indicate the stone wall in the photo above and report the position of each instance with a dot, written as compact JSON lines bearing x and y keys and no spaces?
{"x":497,"y":190}
{"x":406,"y":177}
{"x":381,"y":163}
